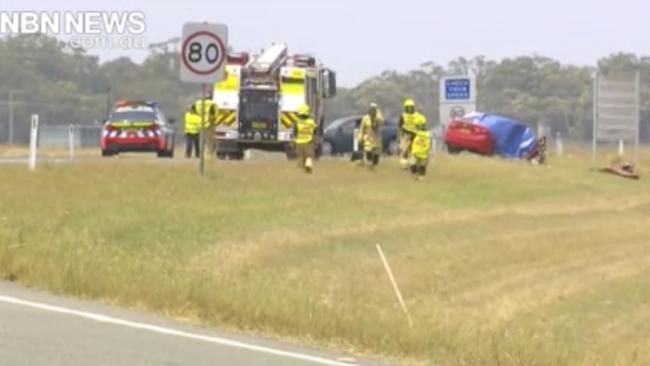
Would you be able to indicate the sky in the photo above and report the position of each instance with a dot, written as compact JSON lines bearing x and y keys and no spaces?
{"x":362,"y":38}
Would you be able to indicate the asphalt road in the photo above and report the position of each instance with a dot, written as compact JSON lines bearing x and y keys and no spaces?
{"x":40,"y":329}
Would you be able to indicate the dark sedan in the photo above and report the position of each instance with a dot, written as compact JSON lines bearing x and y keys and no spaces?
{"x":338,"y":136}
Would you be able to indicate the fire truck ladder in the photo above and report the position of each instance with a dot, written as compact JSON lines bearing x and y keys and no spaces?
{"x":270,"y":60}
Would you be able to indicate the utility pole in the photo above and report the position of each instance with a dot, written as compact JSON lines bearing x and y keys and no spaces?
{"x":108,"y":101}
{"x":163,"y":48}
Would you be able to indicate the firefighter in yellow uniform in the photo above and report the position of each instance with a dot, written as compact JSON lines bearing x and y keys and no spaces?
{"x":208,"y":109}
{"x":370,"y":135}
{"x":420,"y":149}
{"x":410,"y":123}
{"x":192,"y":132}
{"x":304,"y":131}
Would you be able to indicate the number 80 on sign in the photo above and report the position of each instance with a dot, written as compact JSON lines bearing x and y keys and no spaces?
{"x":204,"y":52}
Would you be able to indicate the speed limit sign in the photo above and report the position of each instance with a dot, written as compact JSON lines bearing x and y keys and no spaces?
{"x":203,"y":53}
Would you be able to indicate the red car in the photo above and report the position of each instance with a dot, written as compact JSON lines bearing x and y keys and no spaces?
{"x":464,"y":135}
{"x":137,"y":126}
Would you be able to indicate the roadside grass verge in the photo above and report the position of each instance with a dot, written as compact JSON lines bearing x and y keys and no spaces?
{"x":22,"y":151}
{"x":500,"y":262}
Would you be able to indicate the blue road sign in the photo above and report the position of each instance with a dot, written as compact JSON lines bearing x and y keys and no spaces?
{"x":458,"y":89}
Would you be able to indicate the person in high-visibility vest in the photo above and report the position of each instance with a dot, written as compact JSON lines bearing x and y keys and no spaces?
{"x":370,"y":135}
{"x":420,"y":150}
{"x":192,"y":132}
{"x":410,"y":123}
{"x":304,"y":132}
{"x":208,"y":109}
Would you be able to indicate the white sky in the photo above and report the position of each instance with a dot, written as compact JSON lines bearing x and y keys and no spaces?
{"x":362,"y":38}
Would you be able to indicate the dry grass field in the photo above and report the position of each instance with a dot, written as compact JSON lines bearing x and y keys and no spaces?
{"x":500,"y":262}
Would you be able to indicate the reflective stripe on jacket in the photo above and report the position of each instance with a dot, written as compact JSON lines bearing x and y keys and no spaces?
{"x":421,"y":146}
{"x":412,"y":122}
{"x":305,"y":129}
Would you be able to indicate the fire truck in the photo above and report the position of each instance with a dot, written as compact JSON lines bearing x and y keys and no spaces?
{"x":258,"y":100}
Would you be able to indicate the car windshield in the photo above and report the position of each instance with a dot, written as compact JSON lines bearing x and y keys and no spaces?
{"x":133,"y":116}
{"x":259,"y":111}
{"x":348,"y":122}
{"x":258,"y":105}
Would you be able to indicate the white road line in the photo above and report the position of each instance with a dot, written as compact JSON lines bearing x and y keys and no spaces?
{"x":167,"y":331}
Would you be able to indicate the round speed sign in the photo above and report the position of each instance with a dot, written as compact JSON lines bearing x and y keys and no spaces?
{"x":203,"y":53}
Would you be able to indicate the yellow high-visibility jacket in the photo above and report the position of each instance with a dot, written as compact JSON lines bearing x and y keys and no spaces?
{"x":413,"y":122}
{"x":192,"y":123}
{"x":209,"y":110}
{"x":304,"y":131}
{"x":421,"y":146}
{"x":370,"y":133}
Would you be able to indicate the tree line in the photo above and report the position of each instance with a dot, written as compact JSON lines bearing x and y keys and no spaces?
{"x":534,"y":89}
{"x":69,"y":86}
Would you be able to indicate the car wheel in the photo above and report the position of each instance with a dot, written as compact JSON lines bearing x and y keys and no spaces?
{"x":393,"y":147}
{"x":172,"y":146}
{"x":326,"y":149}
{"x":166,"y":154}
{"x":454,"y":150}
{"x":106,"y":153}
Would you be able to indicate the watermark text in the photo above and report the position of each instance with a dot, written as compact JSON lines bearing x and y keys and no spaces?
{"x":86,"y":29}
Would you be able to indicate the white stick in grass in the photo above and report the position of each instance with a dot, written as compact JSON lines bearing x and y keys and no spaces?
{"x":398,"y":293}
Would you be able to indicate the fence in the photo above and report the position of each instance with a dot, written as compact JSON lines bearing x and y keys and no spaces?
{"x":16,"y":108}
{"x":75,"y":136}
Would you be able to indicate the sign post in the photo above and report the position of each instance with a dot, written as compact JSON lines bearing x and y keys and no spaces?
{"x":71,"y":141}
{"x":457,"y":97}
{"x":203,"y":58}
{"x":33,"y":142}
{"x":559,"y":147}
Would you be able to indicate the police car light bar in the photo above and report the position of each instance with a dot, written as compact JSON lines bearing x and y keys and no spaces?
{"x":135,"y":103}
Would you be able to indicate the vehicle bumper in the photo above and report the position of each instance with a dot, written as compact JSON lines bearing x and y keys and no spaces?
{"x":265,"y":137}
{"x":233,"y":140}
{"x":134,"y":144}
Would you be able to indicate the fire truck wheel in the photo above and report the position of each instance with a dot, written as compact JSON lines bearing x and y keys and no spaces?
{"x":238,"y":155}
{"x":290,"y":151}
{"x":166,"y":154}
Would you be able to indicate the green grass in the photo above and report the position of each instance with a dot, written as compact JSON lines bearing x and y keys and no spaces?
{"x":500,"y":263}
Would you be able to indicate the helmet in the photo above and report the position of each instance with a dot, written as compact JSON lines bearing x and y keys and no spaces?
{"x":409,"y":103}
{"x":304,"y":110}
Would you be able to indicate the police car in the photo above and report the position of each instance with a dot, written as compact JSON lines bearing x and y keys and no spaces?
{"x":137,"y":126}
